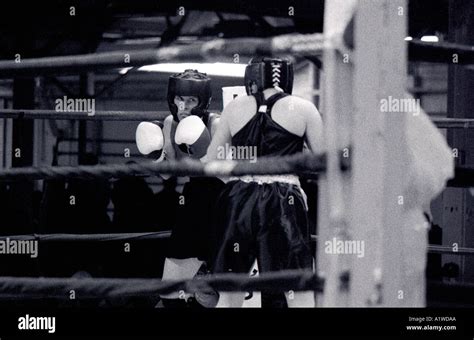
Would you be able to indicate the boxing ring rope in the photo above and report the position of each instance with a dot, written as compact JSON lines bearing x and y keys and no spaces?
{"x":83,"y":115}
{"x":111,"y":115}
{"x":453,"y":123}
{"x":28,"y":287}
{"x":105,"y":288}
{"x":303,"y":44}
{"x":300,"y":163}
{"x":448,"y":250}
{"x":289,"y":43}
{"x":160,"y":235}
{"x":440,"y":52}
{"x":163,"y":235}
{"x":79,"y":63}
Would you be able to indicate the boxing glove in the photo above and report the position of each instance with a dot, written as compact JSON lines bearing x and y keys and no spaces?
{"x":150,"y":140}
{"x":192,"y":137}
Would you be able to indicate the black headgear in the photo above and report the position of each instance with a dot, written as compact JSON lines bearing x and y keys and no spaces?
{"x":190,"y":83}
{"x":269,"y":72}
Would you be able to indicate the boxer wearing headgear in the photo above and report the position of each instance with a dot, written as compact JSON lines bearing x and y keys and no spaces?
{"x":266,"y":216}
{"x":190,"y":83}
{"x":185,"y":133}
{"x":262,"y":73}
{"x":190,"y":125}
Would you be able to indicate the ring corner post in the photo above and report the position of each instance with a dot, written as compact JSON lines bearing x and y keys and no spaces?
{"x":380,"y":163}
{"x":335,"y":185}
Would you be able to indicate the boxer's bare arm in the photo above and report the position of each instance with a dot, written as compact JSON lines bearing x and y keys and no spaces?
{"x":222,"y":133}
{"x":214,"y":124}
{"x":314,"y":127}
{"x":168,"y":147}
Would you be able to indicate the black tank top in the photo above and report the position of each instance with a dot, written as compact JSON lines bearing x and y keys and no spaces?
{"x":269,"y":137}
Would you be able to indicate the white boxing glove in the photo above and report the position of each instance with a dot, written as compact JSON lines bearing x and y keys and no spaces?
{"x":150,"y":140}
{"x":192,"y":137}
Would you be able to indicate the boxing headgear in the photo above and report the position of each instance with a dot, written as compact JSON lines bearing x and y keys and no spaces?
{"x":190,"y":83}
{"x":263,"y":73}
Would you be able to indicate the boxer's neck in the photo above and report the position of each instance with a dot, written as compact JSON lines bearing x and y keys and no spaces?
{"x":267,"y":93}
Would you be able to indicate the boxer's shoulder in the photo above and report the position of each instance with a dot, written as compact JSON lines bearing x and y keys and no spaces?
{"x":297,"y":104}
{"x":240,"y":104}
{"x":213,"y":116}
{"x":213,"y":122}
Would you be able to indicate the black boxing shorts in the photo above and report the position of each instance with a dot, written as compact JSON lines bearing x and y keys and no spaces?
{"x":263,"y":221}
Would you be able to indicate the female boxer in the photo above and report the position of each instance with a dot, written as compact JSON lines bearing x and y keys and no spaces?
{"x":186,"y":133}
{"x":264,"y":217}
